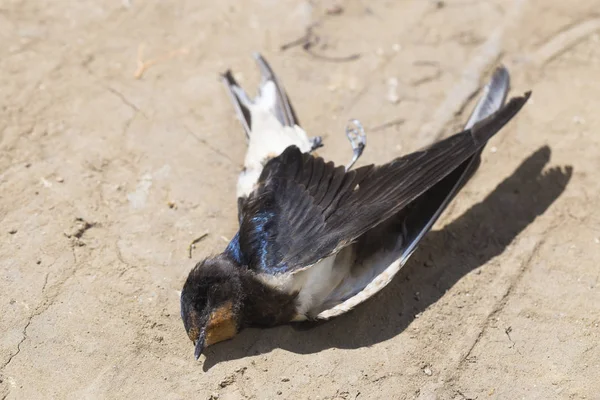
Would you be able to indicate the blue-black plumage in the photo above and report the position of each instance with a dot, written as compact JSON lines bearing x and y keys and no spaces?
{"x":316,"y":239}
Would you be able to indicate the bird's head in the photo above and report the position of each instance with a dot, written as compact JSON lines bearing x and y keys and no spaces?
{"x":211,"y":302}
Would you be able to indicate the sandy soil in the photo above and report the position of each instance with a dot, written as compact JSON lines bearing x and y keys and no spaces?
{"x":105,"y":179}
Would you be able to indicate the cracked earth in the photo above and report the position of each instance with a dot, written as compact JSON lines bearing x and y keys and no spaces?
{"x":119,"y":148}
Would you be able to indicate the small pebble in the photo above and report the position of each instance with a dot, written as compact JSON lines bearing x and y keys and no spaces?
{"x":597,"y":240}
{"x":559,"y":390}
{"x":392,"y":95}
{"x":336,"y":9}
{"x":352,"y":84}
{"x":285,"y":379}
{"x":60,"y":179}
{"x":12,"y":231}
{"x":494,"y":149}
{"x":427,"y":371}
{"x":396,"y":47}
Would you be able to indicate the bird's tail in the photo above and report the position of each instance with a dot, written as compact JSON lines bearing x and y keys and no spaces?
{"x":239,"y":98}
{"x":271,"y":97}
{"x":269,"y":122}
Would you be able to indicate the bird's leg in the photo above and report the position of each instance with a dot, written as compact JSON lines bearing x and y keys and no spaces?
{"x":358,"y":140}
{"x":315,"y":143}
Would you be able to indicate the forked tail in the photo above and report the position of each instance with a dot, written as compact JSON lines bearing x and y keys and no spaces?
{"x":271,"y":96}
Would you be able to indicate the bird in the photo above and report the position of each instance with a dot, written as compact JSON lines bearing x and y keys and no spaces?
{"x":316,"y":239}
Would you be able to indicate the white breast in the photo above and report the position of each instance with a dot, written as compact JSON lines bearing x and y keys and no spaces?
{"x":313,"y":285}
{"x":338,"y":283}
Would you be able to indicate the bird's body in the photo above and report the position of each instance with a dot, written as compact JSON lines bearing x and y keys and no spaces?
{"x":315,"y":240}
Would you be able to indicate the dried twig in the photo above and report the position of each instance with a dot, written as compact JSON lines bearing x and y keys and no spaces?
{"x":565,"y":40}
{"x":309,"y":40}
{"x":389,"y":124}
{"x":323,"y":57}
{"x":457,"y":98}
{"x":193,"y":243}
{"x":301,"y":41}
{"x":142,"y":65}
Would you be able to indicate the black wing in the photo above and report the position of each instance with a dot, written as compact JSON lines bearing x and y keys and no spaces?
{"x":305,"y":209}
{"x":426,"y":209}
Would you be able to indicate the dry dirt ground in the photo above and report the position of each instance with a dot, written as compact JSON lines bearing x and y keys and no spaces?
{"x":119,"y":146}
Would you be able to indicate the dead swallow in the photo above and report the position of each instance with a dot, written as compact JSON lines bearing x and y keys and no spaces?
{"x":316,"y":239}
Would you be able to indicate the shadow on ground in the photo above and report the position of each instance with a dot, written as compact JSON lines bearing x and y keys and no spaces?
{"x":444,"y":257}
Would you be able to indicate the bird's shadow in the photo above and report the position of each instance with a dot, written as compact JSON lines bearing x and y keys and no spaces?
{"x":443,"y":257}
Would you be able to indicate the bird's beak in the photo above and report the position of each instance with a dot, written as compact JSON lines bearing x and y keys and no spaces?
{"x":200,"y":344}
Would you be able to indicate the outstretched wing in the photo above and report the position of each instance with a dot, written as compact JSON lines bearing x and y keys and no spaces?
{"x":304,"y":209}
{"x":433,"y":204}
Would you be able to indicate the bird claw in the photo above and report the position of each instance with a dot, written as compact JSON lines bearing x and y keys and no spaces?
{"x":315,"y":143}
{"x":358,"y":140}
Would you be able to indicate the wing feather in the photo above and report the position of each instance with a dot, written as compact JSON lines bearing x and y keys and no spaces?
{"x":304,"y":209}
